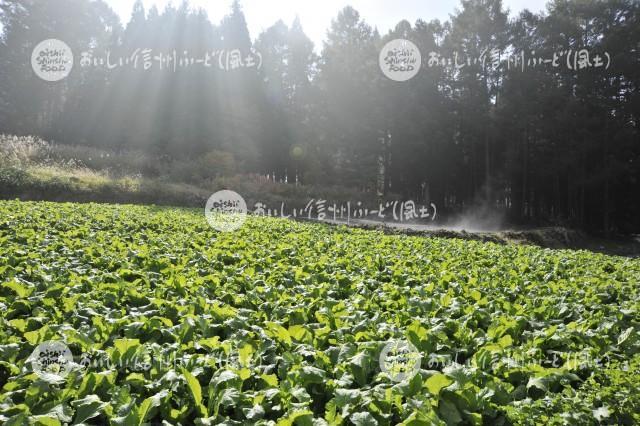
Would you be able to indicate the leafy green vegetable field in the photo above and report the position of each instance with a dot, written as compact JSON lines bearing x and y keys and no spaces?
{"x":283,"y":323}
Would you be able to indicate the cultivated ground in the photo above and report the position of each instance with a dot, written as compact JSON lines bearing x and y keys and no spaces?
{"x":283,"y":322}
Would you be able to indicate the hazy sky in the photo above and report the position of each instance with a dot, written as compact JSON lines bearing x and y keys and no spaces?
{"x":316,"y":15}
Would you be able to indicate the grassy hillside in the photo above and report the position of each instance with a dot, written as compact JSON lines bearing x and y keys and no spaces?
{"x":35,"y":170}
{"x":284,"y":322}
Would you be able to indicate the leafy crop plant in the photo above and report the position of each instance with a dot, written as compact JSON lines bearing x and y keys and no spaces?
{"x":282,"y":323}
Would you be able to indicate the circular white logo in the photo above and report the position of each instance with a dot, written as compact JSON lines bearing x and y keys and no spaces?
{"x":400,"y":359}
{"x":226,"y":211}
{"x":52,"y":60}
{"x":400,"y":60}
{"x":52,"y":358}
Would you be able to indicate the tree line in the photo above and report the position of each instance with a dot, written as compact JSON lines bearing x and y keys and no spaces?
{"x":543,"y":144}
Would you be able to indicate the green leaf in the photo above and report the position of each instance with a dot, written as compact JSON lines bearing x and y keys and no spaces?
{"x":310,"y":374}
{"x":297,"y":417}
{"x":505,"y":341}
{"x":363,"y":419}
{"x":244,"y":354}
{"x":449,"y":412}
{"x":279,"y":332}
{"x":538,"y":383}
{"x":20,"y":289}
{"x":146,"y":408}
{"x":87,"y":408}
{"x":436,"y":383}
{"x":625,"y":335}
{"x":255,"y":413}
{"x":46,"y":421}
{"x":270,"y":379}
{"x":196,"y":392}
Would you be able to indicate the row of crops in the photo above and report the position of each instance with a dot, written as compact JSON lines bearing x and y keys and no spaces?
{"x":280,"y":322}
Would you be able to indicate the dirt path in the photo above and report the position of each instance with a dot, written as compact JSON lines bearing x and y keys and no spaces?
{"x":548,"y":237}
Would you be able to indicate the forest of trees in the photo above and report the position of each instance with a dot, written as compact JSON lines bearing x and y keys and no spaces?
{"x":544,"y":144}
